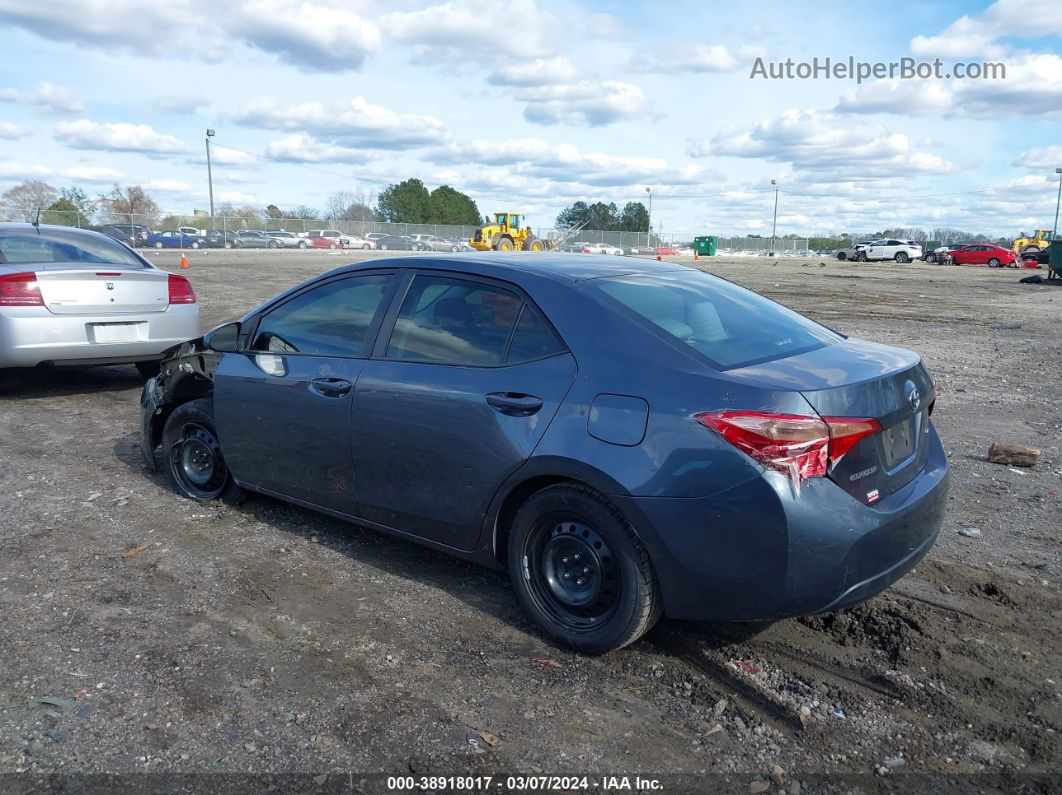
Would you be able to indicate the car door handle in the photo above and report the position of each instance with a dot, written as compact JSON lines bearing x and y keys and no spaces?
{"x":515,"y":404}
{"x":330,"y":387}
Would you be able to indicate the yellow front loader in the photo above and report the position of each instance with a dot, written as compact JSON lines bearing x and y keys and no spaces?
{"x":1039,"y":241}
{"x":506,"y":234}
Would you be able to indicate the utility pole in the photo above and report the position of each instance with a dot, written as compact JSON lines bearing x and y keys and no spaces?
{"x":210,"y":175}
{"x":649,"y":232}
{"x":774,"y":225}
{"x":1054,"y":232}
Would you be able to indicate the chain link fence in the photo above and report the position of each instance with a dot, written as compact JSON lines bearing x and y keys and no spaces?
{"x":202,"y":223}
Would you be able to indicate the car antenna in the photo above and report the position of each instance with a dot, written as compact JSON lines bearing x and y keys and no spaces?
{"x":37,"y":220}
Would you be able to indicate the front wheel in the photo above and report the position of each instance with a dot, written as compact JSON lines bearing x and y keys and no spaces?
{"x":228,"y":244}
{"x":195,"y":244}
{"x":580,"y":571}
{"x":842,"y":256}
{"x":333,"y":245}
{"x":158,"y":245}
{"x":302,"y":244}
{"x":366,"y":247}
{"x":192,"y":454}
{"x":455,"y":249}
{"x":901,"y":257}
{"x":383,"y":247}
{"x":993,"y":263}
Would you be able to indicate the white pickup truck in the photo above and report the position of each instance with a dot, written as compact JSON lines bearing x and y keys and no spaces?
{"x":898,"y":250}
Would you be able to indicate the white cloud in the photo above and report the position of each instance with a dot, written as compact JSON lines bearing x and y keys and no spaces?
{"x":1043,"y":157}
{"x":48,"y":97}
{"x":303,"y":148}
{"x":236,"y":197}
{"x":117,"y":137}
{"x":311,"y":36}
{"x":536,"y":72}
{"x":823,"y":142}
{"x":978,"y":36}
{"x":1032,"y":88}
{"x":356,"y":123}
{"x":697,"y":58}
{"x":11,"y":131}
{"x":180,"y":102}
{"x":307,"y":35}
{"x":534,"y":157}
{"x":221,"y":155}
{"x":478,"y":30}
{"x":588,"y":103}
{"x":93,"y":174}
{"x":16,"y":170}
{"x":167,"y":186}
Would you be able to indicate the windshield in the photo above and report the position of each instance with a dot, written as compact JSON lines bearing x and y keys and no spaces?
{"x":728,"y":325}
{"x":31,"y":247}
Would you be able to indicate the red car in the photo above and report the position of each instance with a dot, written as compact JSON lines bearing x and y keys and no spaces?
{"x":665,"y":252}
{"x":322,"y":242}
{"x":983,"y":254}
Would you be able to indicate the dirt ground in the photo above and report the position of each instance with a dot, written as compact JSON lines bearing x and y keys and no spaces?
{"x":268,"y":640}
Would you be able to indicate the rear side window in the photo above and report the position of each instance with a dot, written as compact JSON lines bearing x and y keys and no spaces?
{"x":48,"y":247}
{"x":728,"y":325}
{"x":463,"y":322}
{"x":331,"y":320}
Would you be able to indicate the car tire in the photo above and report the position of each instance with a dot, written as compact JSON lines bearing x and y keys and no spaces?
{"x":195,"y":244}
{"x":842,"y":256}
{"x":901,"y":257}
{"x":993,"y":263}
{"x":383,"y":247}
{"x":366,"y":247}
{"x":273,"y":244}
{"x":302,"y":244}
{"x":333,"y":245}
{"x":228,"y":244}
{"x":192,"y":455}
{"x":931,"y":257}
{"x":620,"y":598}
{"x":158,"y":244}
{"x":148,"y":369}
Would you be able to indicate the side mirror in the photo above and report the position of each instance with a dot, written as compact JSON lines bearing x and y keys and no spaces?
{"x":223,"y":339}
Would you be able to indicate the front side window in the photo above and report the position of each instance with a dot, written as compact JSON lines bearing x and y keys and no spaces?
{"x":728,"y":325}
{"x":454,"y":321}
{"x":331,"y":320}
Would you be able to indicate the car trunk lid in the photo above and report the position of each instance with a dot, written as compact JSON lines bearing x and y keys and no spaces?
{"x":861,"y":379}
{"x":103,"y":289}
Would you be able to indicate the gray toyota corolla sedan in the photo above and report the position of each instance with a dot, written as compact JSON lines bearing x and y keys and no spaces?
{"x":627,"y":438}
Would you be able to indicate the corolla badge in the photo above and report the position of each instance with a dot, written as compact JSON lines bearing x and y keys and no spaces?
{"x":913,"y":396}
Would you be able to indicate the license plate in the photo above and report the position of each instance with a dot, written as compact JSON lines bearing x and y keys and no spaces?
{"x":900,"y":441}
{"x":115,"y":332}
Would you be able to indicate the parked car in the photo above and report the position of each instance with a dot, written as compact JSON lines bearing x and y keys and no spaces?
{"x":983,"y":254}
{"x":357,"y":241}
{"x":253,"y":238}
{"x":897,"y":250}
{"x":74,"y":296}
{"x":192,"y":230}
{"x":938,"y":254}
{"x":287,"y":240}
{"x":130,"y":234}
{"x":851,"y":252}
{"x":316,"y":241}
{"x":738,"y":462}
{"x":399,"y":243}
{"x":173,"y":239}
{"x":332,"y":234}
{"x":434,"y":243}
{"x":665,"y":251}
{"x":220,"y":238}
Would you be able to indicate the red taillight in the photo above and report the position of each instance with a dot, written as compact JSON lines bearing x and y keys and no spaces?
{"x":181,"y":291}
{"x":801,"y":446}
{"x":20,"y":289}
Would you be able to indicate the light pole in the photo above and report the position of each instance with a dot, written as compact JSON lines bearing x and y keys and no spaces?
{"x":210,"y":175}
{"x":649,"y":231}
{"x":774,"y":225}
{"x":1054,"y":232}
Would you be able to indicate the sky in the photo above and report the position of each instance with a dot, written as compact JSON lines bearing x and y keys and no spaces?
{"x":529,"y":105}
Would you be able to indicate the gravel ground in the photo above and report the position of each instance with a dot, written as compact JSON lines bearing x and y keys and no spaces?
{"x":145,"y":634}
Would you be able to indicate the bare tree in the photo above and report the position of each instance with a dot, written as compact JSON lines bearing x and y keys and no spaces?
{"x":347,"y":205}
{"x":130,"y":205}
{"x":28,"y":197}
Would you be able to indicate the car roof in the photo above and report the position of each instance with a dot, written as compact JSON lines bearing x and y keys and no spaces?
{"x":556,"y":266}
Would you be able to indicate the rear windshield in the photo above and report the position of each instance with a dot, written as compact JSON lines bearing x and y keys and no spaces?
{"x":728,"y":325}
{"x":31,"y":247}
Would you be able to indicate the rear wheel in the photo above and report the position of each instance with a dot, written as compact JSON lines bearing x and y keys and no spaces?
{"x":302,"y":244}
{"x":366,"y":247}
{"x":192,"y":454}
{"x":532,"y":244}
{"x":195,"y":244}
{"x":931,"y":257}
{"x":228,"y":244}
{"x":455,"y":249}
{"x":383,"y":247}
{"x":333,"y":245}
{"x":901,"y":257}
{"x":274,"y":244}
{"x":993,"y":263}
{"x":158,"y":244}
{"x":580,"y":571}
{"x":842,"y":256}
{"x":504,"y":244}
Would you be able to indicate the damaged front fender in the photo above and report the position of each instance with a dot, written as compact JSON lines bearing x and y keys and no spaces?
{"x":186,"y":373}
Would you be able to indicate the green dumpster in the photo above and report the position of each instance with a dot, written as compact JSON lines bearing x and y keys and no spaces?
{"x":1054,"y":259}
{"x":704,"y":245}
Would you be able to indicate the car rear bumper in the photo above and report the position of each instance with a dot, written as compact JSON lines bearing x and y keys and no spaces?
{"x":31,"y":335}
{"x":758,"y":552}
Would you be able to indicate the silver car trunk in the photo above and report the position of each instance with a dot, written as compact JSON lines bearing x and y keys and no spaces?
{"x":102,"y":289}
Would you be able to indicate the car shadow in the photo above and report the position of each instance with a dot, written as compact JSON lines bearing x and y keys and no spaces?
{"x":482,"y":589}
{"x":34,"y":382}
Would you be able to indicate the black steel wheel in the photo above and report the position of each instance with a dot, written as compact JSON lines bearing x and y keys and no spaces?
{"x":580,"y":570}
{"x":192,"y":454}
